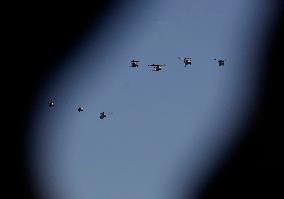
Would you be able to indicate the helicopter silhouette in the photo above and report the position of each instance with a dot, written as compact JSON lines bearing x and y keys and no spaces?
{"x":157,"y":67}
{"x":221,"y":62}
{"x":186,"y":61}
{"x":134,"y":64}
{"x":102,"y":115}
{"x":80,"y":109}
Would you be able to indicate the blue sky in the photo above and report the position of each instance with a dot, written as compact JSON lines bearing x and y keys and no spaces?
{"x":166,"y":127}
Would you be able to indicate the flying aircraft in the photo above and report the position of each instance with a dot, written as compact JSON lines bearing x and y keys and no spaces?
{"x":186,"y":61}
{"x":221,"y":62}
{"x":102,"y":115}
{"x":157,"y":67}
{"x":80,"y":109}
{"x":51,"y":104}
{"x":134,"y":64}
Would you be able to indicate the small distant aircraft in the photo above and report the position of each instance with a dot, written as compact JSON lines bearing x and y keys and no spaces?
{"x":134,"y":64}
{"x":157,"y":67}
{"x":51,"y":104}
{"x":80,"y":109}
{"x":186,"y":61}
{"x":102,"y":115}
{"x":221,"y":62}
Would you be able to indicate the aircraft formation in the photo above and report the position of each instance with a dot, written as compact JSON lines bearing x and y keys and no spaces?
{"x":156,"y":67}
{"x":186,"y":60}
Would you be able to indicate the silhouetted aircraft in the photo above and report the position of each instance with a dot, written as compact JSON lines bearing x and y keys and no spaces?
{"x":221,"y":62}
{"x":186,"y":61}
{"x":102,"y":115}
{"x":157,"y":67}
{"x":134,"y":64}
{"x":80,"y":109}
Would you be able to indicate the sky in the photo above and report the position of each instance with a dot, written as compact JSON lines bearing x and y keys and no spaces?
{"x":168,"y":128}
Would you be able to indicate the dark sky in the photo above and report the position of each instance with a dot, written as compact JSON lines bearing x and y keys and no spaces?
{"x":49,"y":35}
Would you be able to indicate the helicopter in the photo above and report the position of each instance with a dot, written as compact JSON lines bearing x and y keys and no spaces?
{"x":134,"y":64}
{"x":157,"y":67}
{"x":221,"y":62}
{"x":80,"y":109}
{"x":186,"y":61}
{"x":102,"y":115}
{"x":51,"y":104}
